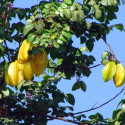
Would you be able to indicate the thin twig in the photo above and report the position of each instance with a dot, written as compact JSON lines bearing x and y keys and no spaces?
{"x":113,"y":55}
{"x":7,"y":50}
{"x":94,"y":66}
{"x":100,"y":105}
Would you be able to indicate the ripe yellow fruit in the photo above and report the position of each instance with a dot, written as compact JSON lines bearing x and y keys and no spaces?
{"x":28,"y":73}
{"x":34,"y":65}
{"x":23,"y":56}
{"x":39,"y":63}
{"x":40,"y":58}
{"x":14,"y":74}
{"x":109,"y":71}
{"x":119,"y":77}
{"x":38,"y":68}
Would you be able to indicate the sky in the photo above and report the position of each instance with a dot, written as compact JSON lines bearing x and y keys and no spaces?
{"x":98,"y":91}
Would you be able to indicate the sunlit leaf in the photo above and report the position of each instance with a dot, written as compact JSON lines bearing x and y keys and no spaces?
{"x":27,"y":28}
{"x":30,"y":37}
{"x":68,"y":1}
{"x":67,"y":34}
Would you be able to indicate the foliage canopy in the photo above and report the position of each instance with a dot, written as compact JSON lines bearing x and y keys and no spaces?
{"x":51,"y":25}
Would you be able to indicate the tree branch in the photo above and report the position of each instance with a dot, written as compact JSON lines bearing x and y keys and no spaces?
{"x":67,"y":120}
{"x":83,"y":67}
{"x":100,"y":105}
{"x":7,"y":50}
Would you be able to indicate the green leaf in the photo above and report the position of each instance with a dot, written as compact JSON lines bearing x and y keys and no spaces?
{"x":8,"y":37}
{"x":53,"y":36}
{"x":82,"y":86}
{"x":20,"y":85}
{"x":27,"y":28}
{"x":1,"y":41}
{"x":66,"y":34}
{"x":76,"y":86}
{"x":90,"y":45}
{"x":69,"y":1}
{"x":63,"y":38}
{"x":21,"y":13}
{"x":91,"y":59}
{"x":70,"y":99}
{"x":38,"y":28}
{"x":28,"y":83}
{"x":112,"y":2}
{"x":88,"y":25}
{"x":67,"y":13}
{"x":36,"y":40}
{"x":30,"y":37}
{"x":2,"y":49}
{"x":98,"y":13}
{"x":83,"y":49}
{"x":115,"y":112}
{"x":1,"y":30}
{"x":28,"y":21}
{"x":78,"y":16}
{"x":32,"y":18}
{"x":121,"y":102}
{"x":104,"y":2}
{"x":86,"y":9}
{"x":63,"y":5}
{"x":47,"y":5}
{"x":72,"y":8}
{"x":119,"y":114}
{"x":82,"y":39}
{"x":0,"y":96}
{"x":60,"y":42}
{"x":45,"y":36}
{"x":117,"y":123}
{"x":78,"y":6}
{"x":5,"y":92}
{"x":109,"y":2}
{"x":119,"y":27}
{"x":56,"y":45}
{"x":10,"y":91}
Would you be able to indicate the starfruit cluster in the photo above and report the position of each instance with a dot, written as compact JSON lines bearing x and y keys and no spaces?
{"x":25,"y":67}
{"x":115,"y":71}
{"x":112,"y":69}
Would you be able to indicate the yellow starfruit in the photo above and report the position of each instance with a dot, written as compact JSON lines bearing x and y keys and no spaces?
{"x":23,"y":56}
{"x":109,"y":71}
{"x":38,"y":68}
{"x":119,"y":77}
{"x":39,"y":63}
{"x":28,"y":73}
{"x":40,"y":58}
{"x":14,"y":73}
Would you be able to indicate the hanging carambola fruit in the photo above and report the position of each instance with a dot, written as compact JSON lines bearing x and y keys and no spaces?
{"x":115,"y":71}
{"x":14,"y":73}
{"x":109,"y":71}
{"x":23,"y":56}
{"x":28,"y":73}
{"x":119,"y":77}
{"x":37,"y":63}
{"x":24,"y":67}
